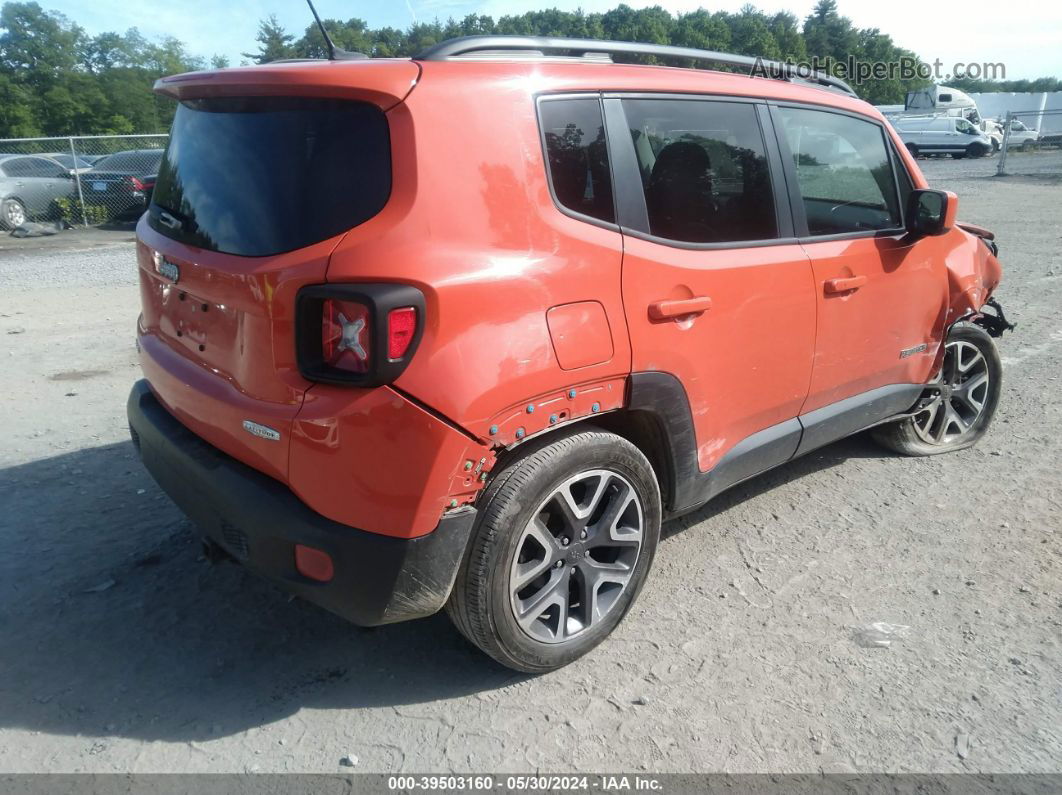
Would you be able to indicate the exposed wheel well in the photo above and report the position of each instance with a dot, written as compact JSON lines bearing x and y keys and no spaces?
{"x":645,"y":431}
{"x":641,"y":428}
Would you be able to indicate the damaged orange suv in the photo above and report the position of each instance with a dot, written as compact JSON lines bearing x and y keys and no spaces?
{"x":460,"y":331}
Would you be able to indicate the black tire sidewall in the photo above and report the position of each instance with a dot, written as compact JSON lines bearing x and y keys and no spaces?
{"x":593,"y":450}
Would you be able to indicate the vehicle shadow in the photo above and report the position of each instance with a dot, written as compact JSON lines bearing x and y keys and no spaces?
{"x":113,"y":623}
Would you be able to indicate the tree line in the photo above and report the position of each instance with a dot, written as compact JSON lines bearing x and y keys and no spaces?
{"x":56,"y":79}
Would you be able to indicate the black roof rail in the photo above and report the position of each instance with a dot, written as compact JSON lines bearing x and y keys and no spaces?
{"x":465,"y":45}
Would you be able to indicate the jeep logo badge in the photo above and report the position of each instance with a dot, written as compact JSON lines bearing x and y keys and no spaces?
{"x":168,"y":269}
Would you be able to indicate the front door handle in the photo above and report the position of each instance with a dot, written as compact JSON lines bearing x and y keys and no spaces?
{"x":680,"y":307}
{"x":844,"y":285}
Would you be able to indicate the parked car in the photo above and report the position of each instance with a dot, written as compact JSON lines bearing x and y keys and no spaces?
{"x":544,"y":303}
{"x":1021,"y":136}
{"x":994,"y":131}
{"x":123,"y":181}
{"x":29,"y":186}
{"x":79,"y":166}
{"x":926,"y":135}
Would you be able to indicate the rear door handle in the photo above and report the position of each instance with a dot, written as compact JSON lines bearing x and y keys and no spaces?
{"x":681,"y":307}
{"x":844,"y":285}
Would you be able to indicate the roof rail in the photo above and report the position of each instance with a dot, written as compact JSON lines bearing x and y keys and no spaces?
{"x":454,"y":48}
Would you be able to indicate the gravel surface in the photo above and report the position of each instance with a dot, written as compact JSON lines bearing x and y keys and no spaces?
{"x":751,"y":648}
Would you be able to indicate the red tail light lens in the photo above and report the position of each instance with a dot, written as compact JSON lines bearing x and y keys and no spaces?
{"x":361,"y":335}
{"x":401,"y":326}
{"x":346,"y":337}
{"x":137,"y":184}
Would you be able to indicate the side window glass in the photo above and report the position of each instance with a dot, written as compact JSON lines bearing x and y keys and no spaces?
{"x":843,"y":172}
{"x":704,"y":170}
{"x":20,"y":167}
{"x":44,"y":168}
{"x":577,"y":156}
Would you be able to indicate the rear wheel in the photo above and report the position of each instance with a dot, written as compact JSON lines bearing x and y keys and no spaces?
{"x":1027,"y":146}
{"x":913,"y":150}
{"x":958,"y":406}
{"x":12,"y":213}
{"x":565,"y":538}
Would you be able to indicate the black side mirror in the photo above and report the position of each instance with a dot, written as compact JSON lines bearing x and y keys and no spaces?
{"x":928,"y":212}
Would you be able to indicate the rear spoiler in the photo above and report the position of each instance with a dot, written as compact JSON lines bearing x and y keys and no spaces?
{"x":384,"y":82}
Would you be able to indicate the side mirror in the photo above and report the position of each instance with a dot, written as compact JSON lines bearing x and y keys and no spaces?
{"x":931,"y":212}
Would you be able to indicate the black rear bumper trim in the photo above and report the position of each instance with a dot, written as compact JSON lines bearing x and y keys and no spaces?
{"x":378,"y":579}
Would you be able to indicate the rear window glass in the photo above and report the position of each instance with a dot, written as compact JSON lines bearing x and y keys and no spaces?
{"x":578,"y":156}
{"x":265,"y":175}
{"x":140,"y":162}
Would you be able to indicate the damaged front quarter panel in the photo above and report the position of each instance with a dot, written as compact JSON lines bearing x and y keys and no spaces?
{"x":973,"y":275}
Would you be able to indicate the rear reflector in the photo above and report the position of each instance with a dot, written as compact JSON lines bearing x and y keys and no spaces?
{"x":313,"y":563}
{"x":401,"y":326}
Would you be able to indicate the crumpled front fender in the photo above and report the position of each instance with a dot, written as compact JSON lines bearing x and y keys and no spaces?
{"x":974,"y":273}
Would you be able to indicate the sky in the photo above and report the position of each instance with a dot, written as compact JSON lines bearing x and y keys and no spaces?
{"x":1025,"y":35}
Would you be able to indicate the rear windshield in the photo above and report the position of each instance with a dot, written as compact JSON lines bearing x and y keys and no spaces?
{"x":142,"y":162}
{"x":265,"y":175}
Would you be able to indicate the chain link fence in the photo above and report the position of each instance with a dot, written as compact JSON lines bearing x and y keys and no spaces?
{"x":1031,"y":132}
{"x":82,"y":180}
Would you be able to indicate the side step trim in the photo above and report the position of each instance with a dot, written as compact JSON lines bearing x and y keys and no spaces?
{"x":662,"y":396}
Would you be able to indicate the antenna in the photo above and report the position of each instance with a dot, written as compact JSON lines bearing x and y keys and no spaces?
{"x":334,"y":53}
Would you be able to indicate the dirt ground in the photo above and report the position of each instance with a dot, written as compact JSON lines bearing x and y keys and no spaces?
{"x":122,"y":650}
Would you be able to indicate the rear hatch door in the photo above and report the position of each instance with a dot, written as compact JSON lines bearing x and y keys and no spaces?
{"x":265,"y":171}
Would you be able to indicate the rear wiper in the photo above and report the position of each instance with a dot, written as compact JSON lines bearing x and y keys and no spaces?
{"x":172,"y":219}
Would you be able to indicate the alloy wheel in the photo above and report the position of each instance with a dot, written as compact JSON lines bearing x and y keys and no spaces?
{"x":957,"y":396}
{"x":576,"y":556}
{"x":15,"y":214}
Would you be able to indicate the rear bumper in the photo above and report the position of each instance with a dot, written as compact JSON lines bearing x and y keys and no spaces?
{"x":378,"y":579}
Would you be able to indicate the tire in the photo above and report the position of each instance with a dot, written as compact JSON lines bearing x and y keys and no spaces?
{"x":1027,"y":146}
{"x":12,"y":213}
{"x":913,"y":150}
{"x":531,"y":553}
{"x":959,"y":155}
{"x":969,"y":354}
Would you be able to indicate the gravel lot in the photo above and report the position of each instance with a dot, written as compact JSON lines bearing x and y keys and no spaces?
{"x":122,"y":650}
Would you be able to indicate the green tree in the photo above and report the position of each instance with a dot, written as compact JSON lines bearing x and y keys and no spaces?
{"x":274,"y":43}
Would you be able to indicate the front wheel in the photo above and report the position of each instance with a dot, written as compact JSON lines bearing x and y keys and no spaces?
{"x":958,"y":405}
{"x":12,"y":214}
{"x":564,"y":540}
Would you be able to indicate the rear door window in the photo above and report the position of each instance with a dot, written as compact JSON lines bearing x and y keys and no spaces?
{"x":704,"y":170}
{"x":577,"y":156}
{"x":264,"y":175}
{"x":45,"y":169}
{"x":843,"y":171}
{"x":19,"y":167}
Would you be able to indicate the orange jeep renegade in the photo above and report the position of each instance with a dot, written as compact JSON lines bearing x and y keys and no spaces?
{"x":460,"y":331}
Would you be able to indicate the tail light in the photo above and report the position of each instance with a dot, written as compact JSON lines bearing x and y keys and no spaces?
{"x":136,"y":183}
{"x":362,"y":335}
